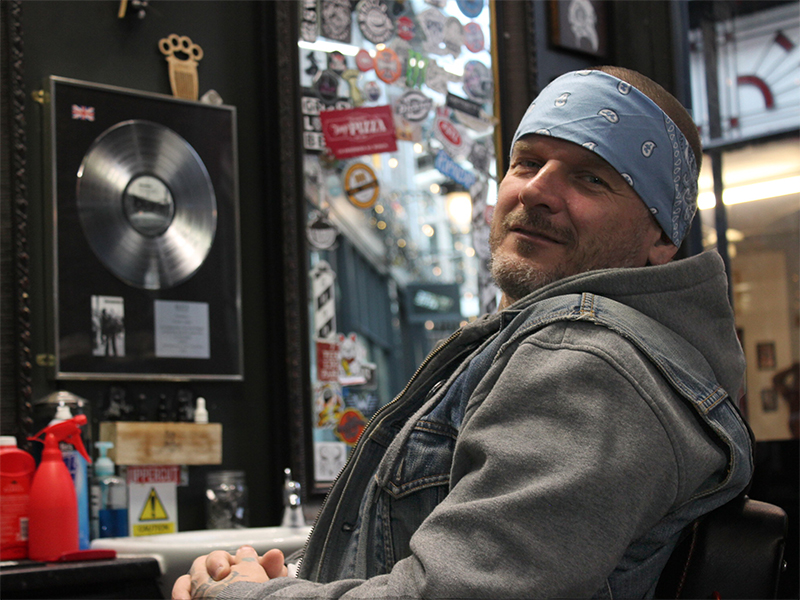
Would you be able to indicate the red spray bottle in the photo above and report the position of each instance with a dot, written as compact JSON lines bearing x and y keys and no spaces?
{"x":53,"y":521}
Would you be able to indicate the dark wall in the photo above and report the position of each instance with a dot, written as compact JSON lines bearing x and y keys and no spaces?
{"x":648,"y":36}
{"x":87,"y":41}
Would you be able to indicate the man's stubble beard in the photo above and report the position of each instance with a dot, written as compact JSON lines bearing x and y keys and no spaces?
{"x":517,"y":277}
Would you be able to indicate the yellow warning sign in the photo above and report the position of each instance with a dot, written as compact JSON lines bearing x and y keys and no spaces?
{"x":153,"y":509}
{"x":153,"y":528}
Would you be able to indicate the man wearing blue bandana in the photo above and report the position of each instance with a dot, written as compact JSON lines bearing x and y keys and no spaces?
{"x":558,"y":447}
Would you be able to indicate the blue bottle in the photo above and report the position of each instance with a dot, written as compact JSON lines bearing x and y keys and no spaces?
{"x":109,"y":498}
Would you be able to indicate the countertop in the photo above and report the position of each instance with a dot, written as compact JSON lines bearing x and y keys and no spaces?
{"x":124,"y":578}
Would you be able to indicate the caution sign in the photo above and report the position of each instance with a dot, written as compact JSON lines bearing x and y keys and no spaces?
{"x":152,"y":499}
{"x":153,"y":509}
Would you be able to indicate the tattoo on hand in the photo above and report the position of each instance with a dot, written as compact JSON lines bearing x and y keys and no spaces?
{"x":210,"y":589}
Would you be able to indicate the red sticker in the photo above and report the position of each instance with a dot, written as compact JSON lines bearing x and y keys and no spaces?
{"x":473,"y":37}
{"x":350,"y":427}
{"x":387,"y":65}
{"x":364,"y":60}
{"x":405,"y":28}
{"x":359,"y":131}
{"x":449,"y":131}
{"x":327,"y":361}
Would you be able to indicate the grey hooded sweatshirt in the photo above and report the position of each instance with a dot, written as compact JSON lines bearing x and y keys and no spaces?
{"x":557,"y":460}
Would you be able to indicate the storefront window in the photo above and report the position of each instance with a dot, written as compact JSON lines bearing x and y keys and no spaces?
{"x":747,"y":112}
{"x":400,"y":175}
{"x":762,"y":200}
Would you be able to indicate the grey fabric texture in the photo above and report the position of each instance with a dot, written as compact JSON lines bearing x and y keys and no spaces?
{"x":572,"y":449}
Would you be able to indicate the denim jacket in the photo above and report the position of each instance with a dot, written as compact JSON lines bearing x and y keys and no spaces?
{"x":419,"y":511}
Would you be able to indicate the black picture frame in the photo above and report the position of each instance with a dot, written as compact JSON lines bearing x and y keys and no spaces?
{"x":78,"y":277}
{"x":580,"y":26}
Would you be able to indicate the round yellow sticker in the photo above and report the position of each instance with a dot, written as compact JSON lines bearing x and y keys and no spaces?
{"x":361,"y":185}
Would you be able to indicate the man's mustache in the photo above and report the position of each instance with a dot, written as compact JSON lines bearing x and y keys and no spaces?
{"x":536,"y":223}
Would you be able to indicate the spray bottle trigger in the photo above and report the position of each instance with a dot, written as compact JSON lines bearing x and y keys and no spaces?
{"x":66,"y":431}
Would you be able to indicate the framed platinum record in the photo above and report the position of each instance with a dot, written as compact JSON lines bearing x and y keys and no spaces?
{"x":145,"y":235}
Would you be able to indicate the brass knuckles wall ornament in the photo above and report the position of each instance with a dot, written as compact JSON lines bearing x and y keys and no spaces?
{"x":182,"y":72}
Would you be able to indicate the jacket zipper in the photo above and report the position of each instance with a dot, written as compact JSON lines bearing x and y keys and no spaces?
{"x":382,"y":409}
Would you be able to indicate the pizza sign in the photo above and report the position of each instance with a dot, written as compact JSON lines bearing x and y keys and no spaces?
{"x":359,"y":131}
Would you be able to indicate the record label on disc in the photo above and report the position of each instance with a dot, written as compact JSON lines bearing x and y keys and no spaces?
{"x":146,"y":204}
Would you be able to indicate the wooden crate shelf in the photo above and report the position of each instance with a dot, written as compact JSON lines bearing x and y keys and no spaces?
{"x":146,"y":443}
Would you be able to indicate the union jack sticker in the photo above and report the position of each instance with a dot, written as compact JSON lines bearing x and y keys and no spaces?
{"x":83,"y":113}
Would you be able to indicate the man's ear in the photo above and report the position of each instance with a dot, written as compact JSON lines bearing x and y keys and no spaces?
{"x":662,"y":251}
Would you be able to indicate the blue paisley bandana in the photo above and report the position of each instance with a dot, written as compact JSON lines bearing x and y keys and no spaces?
{"x":615,"y":120}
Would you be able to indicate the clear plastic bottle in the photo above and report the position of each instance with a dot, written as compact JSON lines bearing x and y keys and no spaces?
{"x":109,"y":497}
{"x":226,"y":500}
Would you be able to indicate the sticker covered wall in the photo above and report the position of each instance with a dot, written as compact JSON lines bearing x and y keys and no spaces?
{"x":398,"y":108}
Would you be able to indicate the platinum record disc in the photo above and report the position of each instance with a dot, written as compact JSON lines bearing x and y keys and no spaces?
{"x":146,"y":204}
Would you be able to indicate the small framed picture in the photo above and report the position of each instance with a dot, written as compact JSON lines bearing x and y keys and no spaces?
{"x":769,"y":400}
{"x":765,"y":354}
{"x":580,"y":25}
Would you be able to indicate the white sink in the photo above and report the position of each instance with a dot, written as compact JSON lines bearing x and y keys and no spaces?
{"x":175,"y":552}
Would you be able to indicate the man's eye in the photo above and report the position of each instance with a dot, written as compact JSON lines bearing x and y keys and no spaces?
{"x":595,"y":180}
{"x":527,"y":163}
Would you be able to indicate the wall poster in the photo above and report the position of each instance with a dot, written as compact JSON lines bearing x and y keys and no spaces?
{"x":145,"y":235}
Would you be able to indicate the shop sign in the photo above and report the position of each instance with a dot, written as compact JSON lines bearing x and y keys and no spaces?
{"x":359,"y":131}
{"x":336,"y":19}
{"x":328,"y":405}
{"x":351,"y":426}
{"x":413,"y":106}
{"x":473,"y":37}
{"x":387,"y":65}
{"x":322,"y":285}
{"x":405,"y":28}
{"x":416,"y":69}
{"x":478,"y":82}
{"x":432,"y":23}
{"x":327,"y":361}
{"x":463,"y":105}
{"x":480,"y":155}
{"x":337,"y":62}
{"x":308,"y":21}
{"x":329,"y":459}
{"x":361,"y":185}
{"x":453,"y":36}
{"x":437,"y":78}
{"x":373,"y":91}
{"x":374,"y":21}
{"x":321,"y":232}
{"x":327,"y":86}
{"x":351,"y":358}
{"x":454,"y":138}
{"x":471,"y":8}
{"x":311,"y":107}
{"x":364,"y":61}
{"x":447,"y":166}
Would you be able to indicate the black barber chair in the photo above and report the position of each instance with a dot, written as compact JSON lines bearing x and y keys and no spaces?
{"x":735,"y":551}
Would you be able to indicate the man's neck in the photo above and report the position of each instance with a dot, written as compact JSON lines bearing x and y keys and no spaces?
{"x":505,"y":302}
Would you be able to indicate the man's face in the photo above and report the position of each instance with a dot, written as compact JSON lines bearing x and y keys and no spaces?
{"x":561,"y":210}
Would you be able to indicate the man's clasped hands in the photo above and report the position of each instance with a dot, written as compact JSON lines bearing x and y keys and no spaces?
{"x":210,"y":574}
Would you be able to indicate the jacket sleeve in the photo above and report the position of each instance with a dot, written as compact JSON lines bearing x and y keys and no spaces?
{"x":553,"y":477}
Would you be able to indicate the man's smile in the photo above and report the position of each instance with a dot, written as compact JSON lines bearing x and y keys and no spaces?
{"x":535,"y":228}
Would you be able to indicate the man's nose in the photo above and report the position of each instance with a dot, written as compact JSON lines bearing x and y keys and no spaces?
{"x":546,"y":188}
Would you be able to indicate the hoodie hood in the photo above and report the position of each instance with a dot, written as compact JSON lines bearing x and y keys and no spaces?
{"x":689,"y":296}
